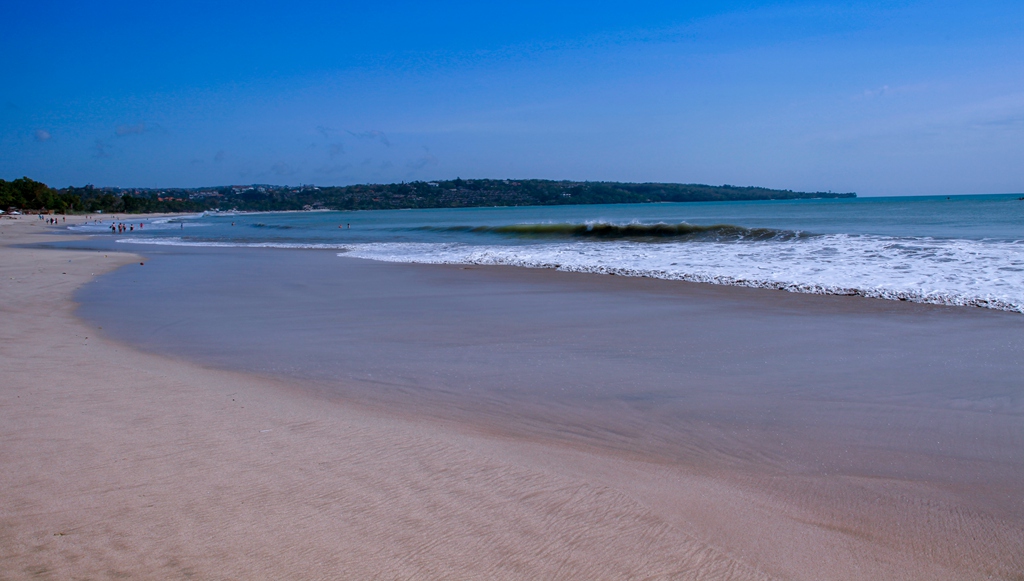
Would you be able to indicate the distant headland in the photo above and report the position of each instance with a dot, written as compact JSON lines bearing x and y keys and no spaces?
{"x":27,"y":194}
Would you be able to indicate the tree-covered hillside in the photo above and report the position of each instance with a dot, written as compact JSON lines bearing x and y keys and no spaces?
{"x":26,"y":194}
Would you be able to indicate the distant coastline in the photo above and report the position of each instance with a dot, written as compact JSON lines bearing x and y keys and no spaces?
{"x":27,"y":194}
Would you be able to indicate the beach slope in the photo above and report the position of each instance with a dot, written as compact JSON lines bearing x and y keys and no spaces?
{"x":119,"y":463}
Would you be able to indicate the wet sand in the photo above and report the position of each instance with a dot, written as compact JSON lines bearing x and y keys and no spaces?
{"x":121,"y":461}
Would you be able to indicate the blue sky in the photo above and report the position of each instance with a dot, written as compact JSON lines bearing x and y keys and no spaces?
{"x":881,"y":98}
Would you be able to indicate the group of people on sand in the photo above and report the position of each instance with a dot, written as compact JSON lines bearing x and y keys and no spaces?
{"x":52,"y":220}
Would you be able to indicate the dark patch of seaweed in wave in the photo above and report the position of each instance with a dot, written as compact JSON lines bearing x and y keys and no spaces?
{"x":271,"y":226}
{"x":633,"y":231}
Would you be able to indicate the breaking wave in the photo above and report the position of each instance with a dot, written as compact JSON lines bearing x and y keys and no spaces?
{"x":634,"y":231}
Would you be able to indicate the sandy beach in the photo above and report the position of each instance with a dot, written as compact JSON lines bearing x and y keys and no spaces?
{"x":120,"y":462}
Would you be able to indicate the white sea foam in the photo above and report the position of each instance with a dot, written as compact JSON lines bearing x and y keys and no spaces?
{"x":948,"y":272}
{"x":986,"y":274}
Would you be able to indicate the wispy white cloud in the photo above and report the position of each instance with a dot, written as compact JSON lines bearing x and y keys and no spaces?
{"x":872,"y":93}
{"x":371,"y":135}
{"x":101,"y":149}
{"x":137,"y":129}
{"x":283,"y":169}
{"x":427,"y":159}
{"x":333,"y":169}
{"x":1005,"y":111}
{"x":42,"y":135}
{"x":889,"y":91}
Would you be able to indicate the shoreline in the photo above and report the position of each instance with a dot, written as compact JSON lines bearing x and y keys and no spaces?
{"x":121,"y":463}
{"x":911,"y":296}
{"x":924,"y":266}
{"x":104,"y":427}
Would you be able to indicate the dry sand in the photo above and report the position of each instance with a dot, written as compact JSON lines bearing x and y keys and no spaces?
{"x":121,"y":464}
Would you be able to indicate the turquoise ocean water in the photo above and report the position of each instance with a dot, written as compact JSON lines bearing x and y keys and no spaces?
{"x":958,"y":250}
